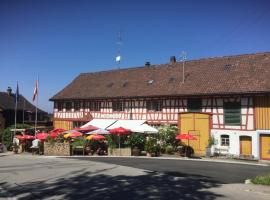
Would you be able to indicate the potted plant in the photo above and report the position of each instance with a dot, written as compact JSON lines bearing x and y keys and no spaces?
{"x":137,"y":142}
{"x":152,"y":147}
{"x":111,"y":143}
{"x":208,"y":150}
{"x":169,"y":149}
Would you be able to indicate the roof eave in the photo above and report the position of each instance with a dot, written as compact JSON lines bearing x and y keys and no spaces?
{"x":172,"y":95}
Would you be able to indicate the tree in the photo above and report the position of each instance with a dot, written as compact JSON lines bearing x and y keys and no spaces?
{"x":6,"y":134}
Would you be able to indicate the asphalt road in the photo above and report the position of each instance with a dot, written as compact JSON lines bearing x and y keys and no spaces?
{"x":212,"y":171}
{"x":24,"y":177}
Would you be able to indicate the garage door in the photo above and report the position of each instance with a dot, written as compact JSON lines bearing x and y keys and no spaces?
{"x":245,"y":145}
{"x":265,"y":147}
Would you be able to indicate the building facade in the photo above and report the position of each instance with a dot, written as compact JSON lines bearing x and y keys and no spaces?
{"x":227,"y":98}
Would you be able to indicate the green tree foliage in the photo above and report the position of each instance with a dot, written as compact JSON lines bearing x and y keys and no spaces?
{"x":137,"y":140}
{"x":6,"y":135}
{"x":166,"y":137}
{"x":111,"y":141}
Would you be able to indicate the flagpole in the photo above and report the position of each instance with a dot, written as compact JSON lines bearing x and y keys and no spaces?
{"x":36,"y":108}
{"x":23,"y":109}
{"x":16,"y":105}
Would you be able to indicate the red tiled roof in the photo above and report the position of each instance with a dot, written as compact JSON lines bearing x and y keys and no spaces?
{"x":243,"y":74}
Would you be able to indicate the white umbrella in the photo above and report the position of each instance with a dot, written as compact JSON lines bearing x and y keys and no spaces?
{"x":99,"y":131}
{"x":145,"y":128}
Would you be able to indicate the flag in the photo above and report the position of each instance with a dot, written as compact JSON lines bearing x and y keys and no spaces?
{"x":118,"y":58}
{"x":35,"y":90}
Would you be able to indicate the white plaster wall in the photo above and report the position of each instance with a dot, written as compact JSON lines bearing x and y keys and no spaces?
{"x":234,"y":148}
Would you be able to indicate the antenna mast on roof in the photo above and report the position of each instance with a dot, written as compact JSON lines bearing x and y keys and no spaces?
{"x":118,"y":43}
{"x":183,"y":58}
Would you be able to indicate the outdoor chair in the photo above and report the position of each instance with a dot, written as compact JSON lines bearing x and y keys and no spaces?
{"x":78,"y":149}
{"x":35,"y":146}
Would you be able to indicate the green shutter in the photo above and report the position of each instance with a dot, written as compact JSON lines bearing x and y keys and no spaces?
{"x":232,"y":113}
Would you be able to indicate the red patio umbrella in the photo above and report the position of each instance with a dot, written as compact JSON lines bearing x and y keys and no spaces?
{"x":185,"y":137}
{"x":25,"y":137}
{"x":95,"y":137}
{"x":58,"y":130}
{"x":73,"y":134}
{"x":54,"y":133}
{"x":42,"y":136}
{"x":29,"y":137}
{"x":86,"y":128}
{"x":119,"y":131}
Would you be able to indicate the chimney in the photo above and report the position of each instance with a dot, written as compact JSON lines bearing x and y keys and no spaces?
{"x":9,"y":91}
{"x":147,"y":64}
{"x":172,"y":60}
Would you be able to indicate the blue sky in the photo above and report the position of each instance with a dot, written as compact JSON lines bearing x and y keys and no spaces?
{"x":59,"y":39}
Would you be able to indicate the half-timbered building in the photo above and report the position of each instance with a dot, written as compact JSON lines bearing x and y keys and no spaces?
{"x":224,"y":97}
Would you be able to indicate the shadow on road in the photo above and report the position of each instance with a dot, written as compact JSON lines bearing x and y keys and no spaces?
{"x":87,"y":185}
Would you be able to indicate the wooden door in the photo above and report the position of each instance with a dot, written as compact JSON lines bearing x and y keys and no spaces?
{"x":245,"y":145}
{"x":265,"y":147}
{"x":198,"y":125}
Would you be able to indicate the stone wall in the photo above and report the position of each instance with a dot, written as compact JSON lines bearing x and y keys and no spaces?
{"x":56,"y":149}
{"x":116,"y":152}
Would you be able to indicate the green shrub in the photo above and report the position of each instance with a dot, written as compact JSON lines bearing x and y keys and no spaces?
{"x":50,"y":140}
{"x":79,"y":141}
{"x":6,"y":136}
{"x":169,"y":149}
{"x":60,"y":138}
{"x":262,"y":180}
{"x":166,"y":136}
{"x":137,"y":140}
{"x":111,"y":140}
{"x":152,"y":146}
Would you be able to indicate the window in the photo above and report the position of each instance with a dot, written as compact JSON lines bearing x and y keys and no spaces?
{"x":225,"y":140}
{"x":118,"y":106}
{"x":85,"y":104}
{"x":77,"y":105}
{"x":78,"y":124}
{"x":59,"y":106}
{"x":155,"y":105}
{"x":194,"y":105}
{"x":232,"y":113}
{"x":68,"y":106}
{"x":94,"y":106}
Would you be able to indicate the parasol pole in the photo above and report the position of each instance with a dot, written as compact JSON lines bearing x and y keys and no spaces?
{"x":119,"y":144}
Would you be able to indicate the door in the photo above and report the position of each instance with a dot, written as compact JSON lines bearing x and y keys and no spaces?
{"x":198,"y":125}
{"x":245,"y":145}
{"x":265,"y":147}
